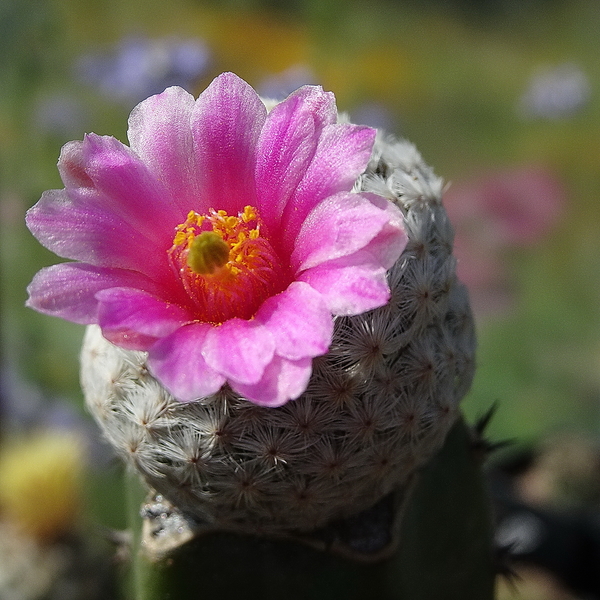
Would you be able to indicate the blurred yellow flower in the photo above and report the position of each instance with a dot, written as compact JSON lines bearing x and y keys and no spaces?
{"x":40,"y":482}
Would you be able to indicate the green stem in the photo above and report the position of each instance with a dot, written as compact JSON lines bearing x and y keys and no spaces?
{"x":137,"y":575}
{"x":444,"y":551}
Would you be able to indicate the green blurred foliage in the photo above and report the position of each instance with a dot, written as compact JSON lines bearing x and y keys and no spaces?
{"x":449,"y":76}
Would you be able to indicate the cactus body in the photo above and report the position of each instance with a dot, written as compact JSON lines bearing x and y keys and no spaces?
{"x":444,"y":551}
{"x":378,"y":406}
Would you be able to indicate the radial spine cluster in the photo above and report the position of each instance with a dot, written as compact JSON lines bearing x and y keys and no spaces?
{"x":378,"y":405}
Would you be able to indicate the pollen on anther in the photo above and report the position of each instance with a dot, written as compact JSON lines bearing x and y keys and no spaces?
{"x":249,"y":214}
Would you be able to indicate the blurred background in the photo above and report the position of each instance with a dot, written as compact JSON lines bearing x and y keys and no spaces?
{"x":502,"y":97}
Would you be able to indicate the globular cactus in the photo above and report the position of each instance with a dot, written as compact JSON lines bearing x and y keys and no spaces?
{"x":278,"y":344}
{"x":378,"y":406}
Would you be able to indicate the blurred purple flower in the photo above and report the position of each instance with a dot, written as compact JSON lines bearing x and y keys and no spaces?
{"x":140,"y":67}
{"x":25,"y":407}
{"x":374,"y":114}
{"x":497,"y":212}
{"x":60,"y":115}
{"x":556,"y":93}
{"x":281,"y":85}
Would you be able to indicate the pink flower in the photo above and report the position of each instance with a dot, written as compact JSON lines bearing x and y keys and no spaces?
{"x":514,"y":206}
{"x":494,"y":214}
{"x":223,"y":241}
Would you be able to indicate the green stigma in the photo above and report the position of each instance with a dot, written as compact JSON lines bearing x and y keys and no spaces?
{"x":207,"y":253}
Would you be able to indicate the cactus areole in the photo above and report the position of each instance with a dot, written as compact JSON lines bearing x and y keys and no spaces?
{"x":276,"y":337}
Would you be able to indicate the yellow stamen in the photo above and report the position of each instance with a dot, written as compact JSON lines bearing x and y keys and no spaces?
{"x":179,"y":238}
{"x":249,"y":214}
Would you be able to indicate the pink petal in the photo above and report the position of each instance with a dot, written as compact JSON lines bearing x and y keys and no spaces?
{"x":283,"y":380}
{"x":69,"y":290}
{"x":338,"y":226}
{"x":77,"y":225}
{"x":124,"y":313}
{"x":71,"y":166}
{"x":286,"y":146}
{"x":226,"y":122}
{"x":342,"y":155}
{"x":239,"y":350}
{"x":349,"y":289}
{"x":177,"y":361}
{"x":132,"y":191}
{"x":390,"y":242}
{"x":299,"y":321}
{"x":160,"y":134}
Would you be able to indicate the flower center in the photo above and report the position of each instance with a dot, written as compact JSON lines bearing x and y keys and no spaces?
{"x":207,"y":253}
{"x":225,"y":265}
